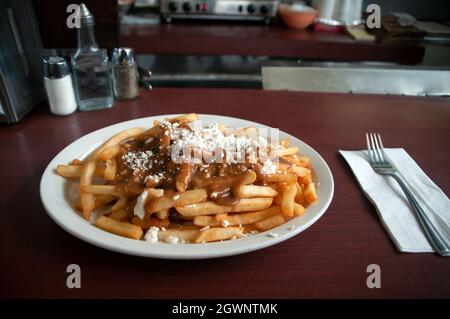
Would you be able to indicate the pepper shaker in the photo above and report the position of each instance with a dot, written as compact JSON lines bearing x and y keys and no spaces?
{"x":125,"y":74}
{"x":58,"y":86}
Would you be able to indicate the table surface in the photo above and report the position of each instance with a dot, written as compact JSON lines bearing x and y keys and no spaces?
{"x":329,"y":259}
{"x":214,"y":38}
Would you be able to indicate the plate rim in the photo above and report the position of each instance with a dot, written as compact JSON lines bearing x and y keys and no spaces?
{"x":174,"y":253}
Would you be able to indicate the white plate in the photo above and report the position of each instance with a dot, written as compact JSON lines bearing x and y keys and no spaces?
{"x":57,"y":197}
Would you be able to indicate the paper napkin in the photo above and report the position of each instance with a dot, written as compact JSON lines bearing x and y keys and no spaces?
{"x":393,"y":207}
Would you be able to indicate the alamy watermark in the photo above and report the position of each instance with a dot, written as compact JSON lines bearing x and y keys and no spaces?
{"x":73,"y":20}
{"x":74,"y":278}
{"x":207,"y":144}
{"x":373,"y":21}
{"x":374,"y":279}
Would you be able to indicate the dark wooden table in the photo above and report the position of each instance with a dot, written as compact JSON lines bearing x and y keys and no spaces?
{"x":329,"y":259}
{"x":275,"y":41}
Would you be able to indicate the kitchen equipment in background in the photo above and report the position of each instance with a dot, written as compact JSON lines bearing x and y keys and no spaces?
{"x":394,"y":31}
{"x":58,"y":86}
{"x":338,"y":12}
{"x":297,"y":16}
{"x":90,"y":67}
{"x":144,"y":78}
{"x":359,"y":33}
{"x":125,"y":74}
{"x":357,"y":78}
{"x":146,"y":3}
{"x":141,"y":12}
{"x":20,"y":60}
{"x":256,"y":10}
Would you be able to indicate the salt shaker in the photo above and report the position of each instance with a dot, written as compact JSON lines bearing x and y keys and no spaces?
{"x":58,"y":86}
{"x":125,"y":74}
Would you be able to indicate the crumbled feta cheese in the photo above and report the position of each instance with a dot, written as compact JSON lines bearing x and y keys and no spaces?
{"x":211,"y":140}
{"x":139,"y":209}
{"x":225,"y":223}
{"x":268,"y":167}
{"x":152,"y":235}
{"x":138,"y":161}
{"x":154,"y":178}
{"x":176,"y":197}
{"x":172,"y":240}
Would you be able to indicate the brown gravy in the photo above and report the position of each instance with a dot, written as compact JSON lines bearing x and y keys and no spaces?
{"x":216,"y":178}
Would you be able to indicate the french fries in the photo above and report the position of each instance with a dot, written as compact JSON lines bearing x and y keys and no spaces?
{"x":110,"y":170}
{"x":185,"y":234}
{"x":270,"y":223}
{"x":218,"y":233}
{"x":310,"y":193}
{"x":178,"y":199}
{"x":207,"y":221}
{"x":288,"y":199}
{"x":87,"y":171}
{"x":101,"y":189}
{"x":244,"y":178}
{"x":299,"y":198}
{"x":278,"y":178}
{"x":100,"y":201}
{"x":186,"y":118}
{"x":237,"y":219}
{"x":287,"y":151}
{"x":162,"y":214}
{"x":120,"y":203}
{"x":109,"y":152}
{"x":147,"y":223}
{"x":185,"y":175}
{"x":74,"y":171}
{"x":119,"y":214}
{"x":299,"y":210}
{"x":300,"y":171}
{"x":249,"y":218}
{"x":119,"y":228}
{"x":141,"y":188}
{"x":210,"y":208}
{"x":249,"y":191}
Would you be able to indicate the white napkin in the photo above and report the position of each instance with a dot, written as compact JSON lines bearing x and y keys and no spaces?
{"x":391,"y":203}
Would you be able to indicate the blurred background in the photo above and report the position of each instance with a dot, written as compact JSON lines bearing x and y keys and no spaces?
{"x":295,"y":45}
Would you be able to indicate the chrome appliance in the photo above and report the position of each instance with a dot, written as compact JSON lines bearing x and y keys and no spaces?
{"x":338,"y":12}
{"x":258,"y":10}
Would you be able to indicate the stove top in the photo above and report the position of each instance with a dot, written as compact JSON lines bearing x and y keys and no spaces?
{"x":260,"y":10}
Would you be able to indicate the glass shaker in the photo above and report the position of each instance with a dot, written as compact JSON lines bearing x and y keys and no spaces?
{"x":125,"y":74}
{"x":90,"y":67}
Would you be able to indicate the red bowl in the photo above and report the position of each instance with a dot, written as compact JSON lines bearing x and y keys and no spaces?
{"x":297,"y":19}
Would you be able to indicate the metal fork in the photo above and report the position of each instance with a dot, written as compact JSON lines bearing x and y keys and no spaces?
{"x":381,"y":164}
